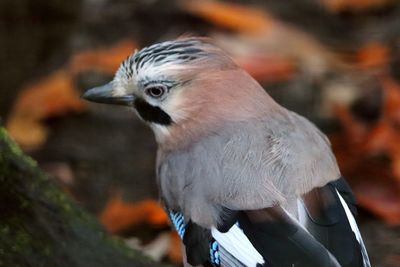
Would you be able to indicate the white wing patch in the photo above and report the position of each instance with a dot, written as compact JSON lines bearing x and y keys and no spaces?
{"x":236,"y":243}
{"x":354,"y":228}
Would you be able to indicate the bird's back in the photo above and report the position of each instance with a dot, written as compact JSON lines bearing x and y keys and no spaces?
{"x":250,"y":164}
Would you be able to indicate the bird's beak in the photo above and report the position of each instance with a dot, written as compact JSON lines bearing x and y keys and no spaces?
{"x":106,"y":94}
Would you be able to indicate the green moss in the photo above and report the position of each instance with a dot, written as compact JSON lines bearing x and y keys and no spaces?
{"x":41,"y":226}
{"x":15,"y":149}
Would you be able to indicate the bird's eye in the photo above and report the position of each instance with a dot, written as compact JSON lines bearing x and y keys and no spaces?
{"x":155,"y":91}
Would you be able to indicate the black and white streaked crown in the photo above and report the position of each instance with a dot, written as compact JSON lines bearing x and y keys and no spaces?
{"x":175,"y":52}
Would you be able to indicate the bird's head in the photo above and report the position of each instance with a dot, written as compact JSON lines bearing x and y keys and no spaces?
{"x":174,"y":81}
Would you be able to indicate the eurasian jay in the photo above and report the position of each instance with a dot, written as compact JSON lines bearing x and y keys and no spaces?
{"x":245,"y":181}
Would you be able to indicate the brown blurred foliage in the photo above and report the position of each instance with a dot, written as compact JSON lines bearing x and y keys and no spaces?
{"x":56,"y":94}
{"x":370,"y":155}
{"x":119,"y":215}
{"x":275,"y":51}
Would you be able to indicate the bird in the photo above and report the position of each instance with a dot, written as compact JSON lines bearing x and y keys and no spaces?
{"x":244,"y":181}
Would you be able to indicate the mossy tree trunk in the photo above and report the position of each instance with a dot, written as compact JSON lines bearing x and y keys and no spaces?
{"x":40,"y":226}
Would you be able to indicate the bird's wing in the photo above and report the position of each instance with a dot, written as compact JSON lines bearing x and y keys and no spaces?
{"x":268,"y":237}
{"x":324,"y":225}
{"x":235,"y":248}
{"x":230,"y":248}
{"x":329,"y":216}
{"x":327,"y":213}
{"x":282,"y":241}
{"x":263,"y":164}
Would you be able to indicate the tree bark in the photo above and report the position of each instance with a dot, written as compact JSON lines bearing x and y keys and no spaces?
{"x":40,"y":226}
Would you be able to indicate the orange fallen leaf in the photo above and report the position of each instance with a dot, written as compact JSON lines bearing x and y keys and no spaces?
{"x":391,"y":108}
{"x":119,"y":215}
{"x":372,"y":180}
{"x":369,"y":154}
{"x":355,"y":5}
{"x":373,"y":55}
{"x":380,"y":197}
{"x":264,"y":68}
{"x":105,"y":60}
{"x":232,"y":16}
{"x":175,"y":249}
{"x":354,"y":130}
{"x":378,"y":138}
{"x":396,"y":165}
{"x":384,"y":139}
{"x":55,"y":95}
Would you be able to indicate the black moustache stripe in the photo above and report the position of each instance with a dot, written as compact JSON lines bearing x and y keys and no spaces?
{"x":151,"y":113}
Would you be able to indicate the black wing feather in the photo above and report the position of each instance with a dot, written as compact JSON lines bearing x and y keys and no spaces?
{"x":327,"y":221}
{"x":197,"y":241}
{"x":282,"y":241}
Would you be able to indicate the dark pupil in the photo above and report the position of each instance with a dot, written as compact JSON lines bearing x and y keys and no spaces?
{"x":156,"y":91}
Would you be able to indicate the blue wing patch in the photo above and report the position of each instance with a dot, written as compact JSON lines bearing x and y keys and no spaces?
{"x":214,"y":253}
{"x":178,"y":221}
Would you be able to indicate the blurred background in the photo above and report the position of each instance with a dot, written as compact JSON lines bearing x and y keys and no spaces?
{"x":337,"y":62}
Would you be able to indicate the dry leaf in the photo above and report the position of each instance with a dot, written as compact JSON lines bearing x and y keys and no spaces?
{"x":391,"y":108}
{"x":56,"y":95}
{"x":264,"y":68}
{"x":232,"y":16}
{"x":355,"y":5}
{"x":359,"y":149}
{"x":373,"y":55}
{"x":105,"y":60}
{"x":378,"y":138}
{"x":53,"y":96}
{"x":257,"y":29}
{"x":175,"y":248}
{"x":381,"y":198}
{"x":119,"y":215}
{"x":352,"y":128}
